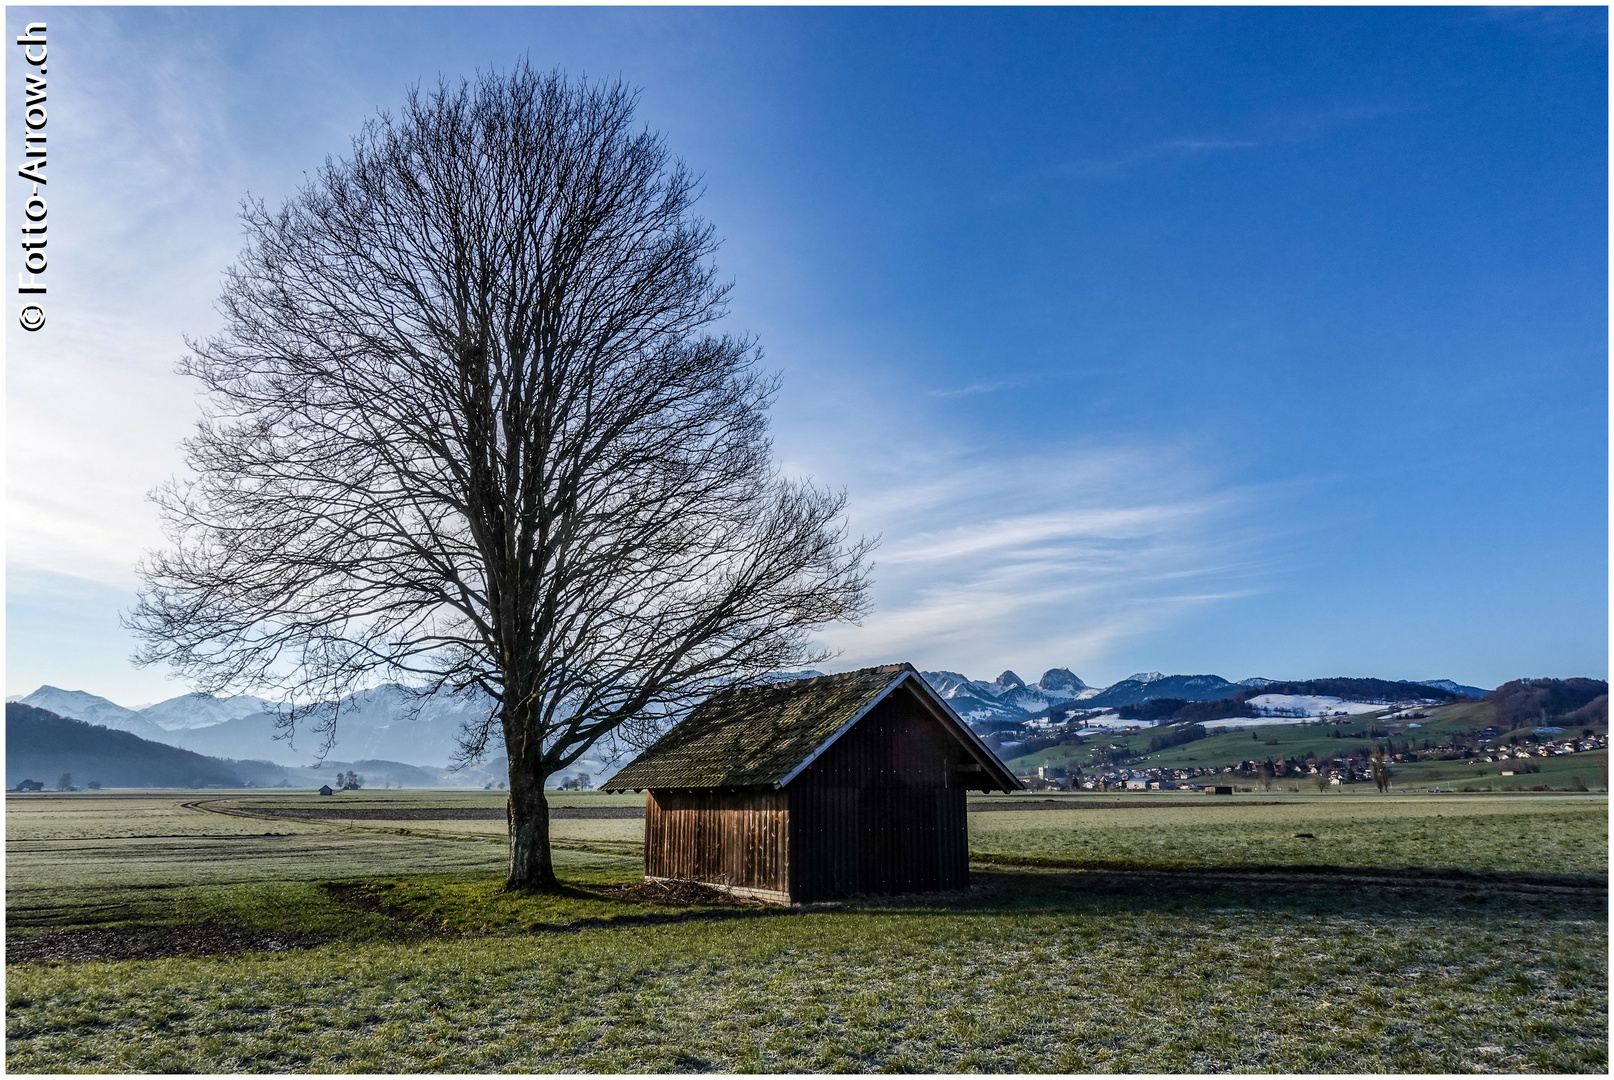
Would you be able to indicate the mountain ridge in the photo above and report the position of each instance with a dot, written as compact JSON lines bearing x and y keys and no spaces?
{"x":41,"y":745}
{"x":390,"y":723}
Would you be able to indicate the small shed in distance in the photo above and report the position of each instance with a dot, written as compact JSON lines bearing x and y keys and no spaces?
{"x":815,"y":788}
{"x":325,"y":789}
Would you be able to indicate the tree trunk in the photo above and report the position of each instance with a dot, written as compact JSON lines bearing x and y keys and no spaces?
{"x":531,"y":866}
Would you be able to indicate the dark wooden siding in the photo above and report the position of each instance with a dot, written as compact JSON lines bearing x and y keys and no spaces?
{"x":882,"y":810}
{"x":737,"y":838}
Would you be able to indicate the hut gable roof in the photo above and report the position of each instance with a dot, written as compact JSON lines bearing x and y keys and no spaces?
{"x":762,"y":736}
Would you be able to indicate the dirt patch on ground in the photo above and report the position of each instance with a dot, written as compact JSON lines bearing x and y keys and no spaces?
{"x":355,"y":895}
{"x":151,"y":943}
{"x":676,"y":894}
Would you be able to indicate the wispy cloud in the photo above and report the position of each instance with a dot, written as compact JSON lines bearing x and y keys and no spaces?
{"x":1060,"y":559}
{"x":1206,"y":145}
{"x":1281,"y":128}
{"x":1100,"y":168}
{"x":978,"y":388}
{"x":160,"y":161}
{"x":1584,"y":23}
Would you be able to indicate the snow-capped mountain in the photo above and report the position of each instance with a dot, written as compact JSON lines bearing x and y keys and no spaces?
{"x":382,"y":723}
{"x":386,"y":722}
{"x":791,"y":676}
{"x":203,"y":710}
{"x":1007,"y":697}
{"x":185,"y":711}
{"x":78,"y":705}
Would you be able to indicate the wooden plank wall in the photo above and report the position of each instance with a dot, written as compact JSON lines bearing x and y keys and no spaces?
{"x":739,"y":838}
{"x":883,"y":810}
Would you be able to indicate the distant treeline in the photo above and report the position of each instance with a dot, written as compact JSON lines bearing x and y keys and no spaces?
{"x":1176,"y":735}
{"x":1176,"y":710}
{"x":1357,"y":690}
{"x":1571,"y":702}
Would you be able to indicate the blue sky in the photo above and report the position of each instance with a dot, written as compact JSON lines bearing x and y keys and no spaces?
{"x":1247,"y":341}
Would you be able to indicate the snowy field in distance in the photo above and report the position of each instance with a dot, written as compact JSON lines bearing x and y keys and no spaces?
{"x":1316,"y":707}
{"x":1312,"y":705}
{"x":1109,"y":721}
{"x":1237,"y":722}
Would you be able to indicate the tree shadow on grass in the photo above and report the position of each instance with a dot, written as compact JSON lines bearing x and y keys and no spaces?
{"x":994,"y":891}
{"x":1305,"y":889}
{"x":1000,"y":890}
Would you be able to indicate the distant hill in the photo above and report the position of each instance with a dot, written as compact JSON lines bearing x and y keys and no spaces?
{"x":1523,"y":702}
{"x":1363,"y":690}
{"x":1135,"y":691}
{"x":41,"y":745}
{"x":1455,"y":687}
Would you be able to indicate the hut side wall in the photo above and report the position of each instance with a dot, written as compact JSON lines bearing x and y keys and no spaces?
{"x":882,"y":811}
{"x":738,"y":839}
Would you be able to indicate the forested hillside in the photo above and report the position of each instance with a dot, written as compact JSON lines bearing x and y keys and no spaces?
{"x":42,"y":746}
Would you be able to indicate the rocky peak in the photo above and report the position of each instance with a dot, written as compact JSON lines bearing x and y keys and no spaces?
{"x":1009,"y":681}
{"x":1060,"y":679}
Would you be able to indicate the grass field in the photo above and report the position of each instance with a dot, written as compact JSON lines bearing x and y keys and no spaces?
{"x":1434,"y":933}
{"x":1518,"y":834}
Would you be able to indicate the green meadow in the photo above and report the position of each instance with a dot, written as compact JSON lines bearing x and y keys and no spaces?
{"x":1162,"y":933}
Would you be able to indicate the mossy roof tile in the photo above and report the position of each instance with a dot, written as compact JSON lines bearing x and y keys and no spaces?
{"x":755,"y":736}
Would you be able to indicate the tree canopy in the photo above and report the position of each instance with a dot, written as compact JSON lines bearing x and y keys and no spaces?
{"x":470,"y":427}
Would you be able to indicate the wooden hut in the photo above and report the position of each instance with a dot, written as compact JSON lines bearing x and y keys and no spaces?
{"x":815,"y":788}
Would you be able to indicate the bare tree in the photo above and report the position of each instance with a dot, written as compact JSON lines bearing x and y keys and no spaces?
{"x":1379,"y":766}
{"x":469,"y":429}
